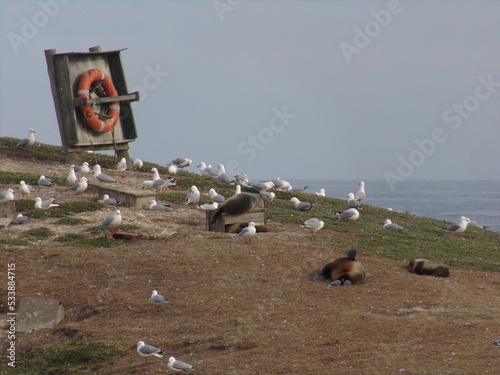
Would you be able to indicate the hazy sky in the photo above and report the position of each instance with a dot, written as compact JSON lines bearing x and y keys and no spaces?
{"x":389,"y":90}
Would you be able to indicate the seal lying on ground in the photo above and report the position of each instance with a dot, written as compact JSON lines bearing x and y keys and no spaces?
{"x":239,"y":204}
{"x":345,"y":271}
{"x":428,"y":267}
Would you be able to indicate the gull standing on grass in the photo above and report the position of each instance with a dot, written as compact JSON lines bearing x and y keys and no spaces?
{"x":45,"y":204}
{"x":45,"y":181}
{"x":193,"y":197}
{"x":223,"y":176}
{"x":99,"y":176}
{"x":179,"y":366}
{"x":314,"y":224}
{"x":207,"y":172}
{"x":27,"y":142}
{"x":352,"y":202}
{"x":348,"y":215}
{"x":301,"y":206}
{"x":158,"y":299}
{"x":321,"y":192}
{"x":71,"y":179}
{"x":459,"y":227}
{"x":7,"y":195}
{"x":112,"y":221}
{"x":25,"y":189}
{"x":360,"y":194}
{"x":389,"y":225}
{"x":84,"y":168}
{"x":21,"y":219}
{"x":146,"y":351}
{"x":216,"y":197}
{"x":80,"y":186}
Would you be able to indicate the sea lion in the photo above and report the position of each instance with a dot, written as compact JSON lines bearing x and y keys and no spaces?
{"x":345,"y":271}
{"x":239,"y":204}
{"x":428,"y":267}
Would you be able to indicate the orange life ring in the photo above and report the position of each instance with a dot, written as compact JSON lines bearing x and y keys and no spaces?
{"x":91,"y":118}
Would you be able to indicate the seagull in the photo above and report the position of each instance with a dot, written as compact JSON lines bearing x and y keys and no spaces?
{"x":262,"y":185}
{"x":237,"y":190}
{"x":222,"y":175}
{"x":153,"y":206}
{"x":216,"y":197}
{"x":301,"y":206}
{"x":148,"y":350}
{"x":84,"y":168}
{"x":80,"y":186}
{"x":109,"y":201}
{"x":497,"y":342}
{"x":248,"y":232}
{"x":27,"y":142}
{"x":360,"y":194}
{"x":321,"y":192}
{"x":45,"y":204}
{"x":193,"y":197}
{"x":299,"y":190}
{"x":71,"y":179}
{"x":181,"y":162}
{"x":158,"y":299}
{"x":25,"y":189}
{"x":475,"y":224}
{"x":45,"y":181}
{"x":267,"y":196}
{"x":7,"y":195}
{"x":21,"y":219}
{"x":459,"y":227}
{"x":348,"y":215}
{"x":314,"y":224}
{"x":352,"y":202}
{"x":112,"y":221}
{"x":173,"y":169}
{"x":209,"y":207}
{"x":179,"y":366}
{"x":389,"y":225}
{"x":122,"y":165}
{"x":280,"y":184}
{"x":207,"y":171}
{"x":136,"y":164}
{"x":158,"y":183}
{"x":99,"y":176}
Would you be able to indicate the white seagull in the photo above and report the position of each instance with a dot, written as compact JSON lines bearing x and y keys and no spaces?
{"x":122,"y":165}
{"x":459,"y":227}
{"x":321,"y":192}
{"x":109,"y":201}
{"x":158,"y":299}
{"x":45,"y":181}
{"x":209,"y":207}
{"x":7,"y":195}
{"x":348,"y":215}
{"x":80,"y":186}
{"x":45,"y":204}
{"x":314,"y":224}
{"x":21,"y":219}
{"x":389,"y":225}
{"x":84,"y":168}
{"x":112,"y":221}
{"x":136,"y":164}
{"x":248,"y":232}
{"x":146,"y":351}
{"x":352,"y":202}
{"x":360,"y":194}
{"x":154,"y":206}
{"x":301,"y":206}
{"x":27,"y":142}
{"x":179,"y":366}
{"x":223,"y":176}
{"x":99,"y":176}
{"x":182,"y":162}
{"x":71,"y":179}
{"x":216,"y":197}
{"x":207,"y":171}
{"x":193,"y":197}
{"x":25,"y":189}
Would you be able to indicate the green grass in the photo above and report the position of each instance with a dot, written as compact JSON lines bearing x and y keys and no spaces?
{"x":476,"y":249}
{"x":72,"y":221}
{"x":81,"y":240}
{"x":70,"y":358}
{"x":36,"y":234}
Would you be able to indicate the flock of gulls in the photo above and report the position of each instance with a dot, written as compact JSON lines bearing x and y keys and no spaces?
{"x":344,"y":271}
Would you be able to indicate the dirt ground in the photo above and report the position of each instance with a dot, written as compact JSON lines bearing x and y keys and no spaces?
{"x":253,"y":309}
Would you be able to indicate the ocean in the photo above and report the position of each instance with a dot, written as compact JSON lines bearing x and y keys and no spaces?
{"x":443,"y":200}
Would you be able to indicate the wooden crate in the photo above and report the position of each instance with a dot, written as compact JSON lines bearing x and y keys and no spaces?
{"x":258,"y":216}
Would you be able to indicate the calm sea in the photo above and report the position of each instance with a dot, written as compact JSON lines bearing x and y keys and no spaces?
{"x":443,"y":200}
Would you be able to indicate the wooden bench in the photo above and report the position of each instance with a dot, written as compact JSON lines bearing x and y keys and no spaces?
{"x":129,"y":197}
{"x":225,"y":222}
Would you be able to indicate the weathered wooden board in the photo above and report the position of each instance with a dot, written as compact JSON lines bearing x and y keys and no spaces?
{"x":258,"y":216}
{"x":128,"y":197}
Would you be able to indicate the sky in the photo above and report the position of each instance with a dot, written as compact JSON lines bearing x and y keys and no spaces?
{"x":394,"y":90}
